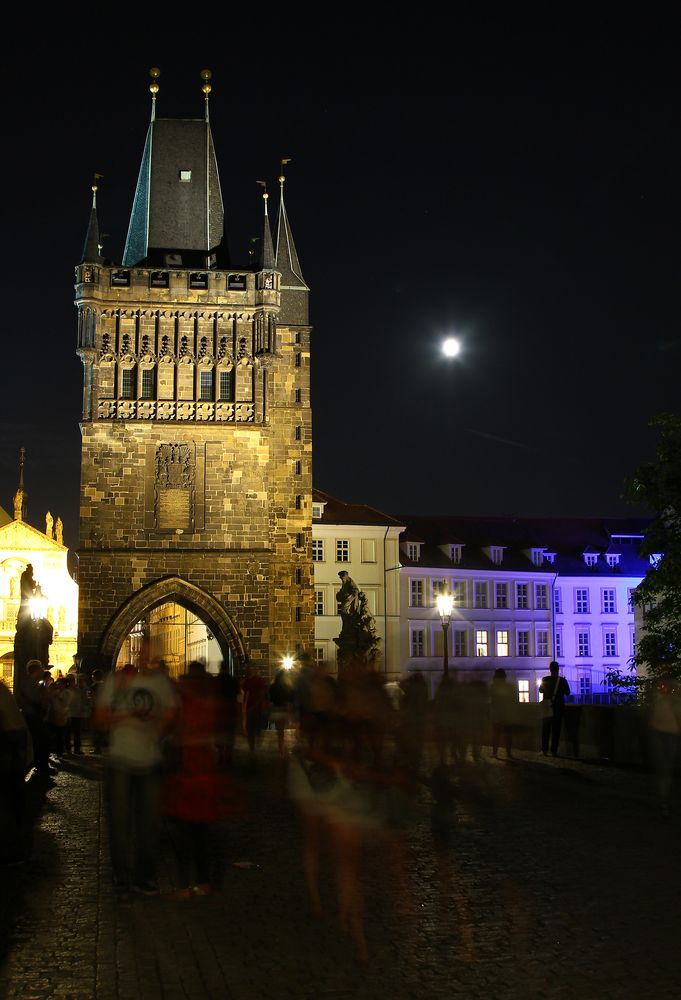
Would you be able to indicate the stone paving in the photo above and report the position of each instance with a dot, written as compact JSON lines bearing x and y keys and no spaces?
{"x":559,"y":880}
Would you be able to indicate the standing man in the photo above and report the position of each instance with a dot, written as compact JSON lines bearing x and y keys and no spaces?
{"x":254,"y":695}
{"x":137,"y":709}
{"x":554,"y":690}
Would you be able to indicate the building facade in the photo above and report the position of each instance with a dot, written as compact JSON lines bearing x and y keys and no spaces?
{"x":196,"y":426}
{"x":365,"y":543}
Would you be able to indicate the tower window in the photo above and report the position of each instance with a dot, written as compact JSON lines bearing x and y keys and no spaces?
{"x":206,"y":388}
{"x":128,"y":383}
{"x":185,"y":176}
{"x":297,"y":397}
{"x":148,"y":383}
{"x":299,"y":433}
{"x":298,"y":359}
{"x":226,"y":385}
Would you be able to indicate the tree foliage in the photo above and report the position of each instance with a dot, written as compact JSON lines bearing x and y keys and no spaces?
{"x":657,"y":484}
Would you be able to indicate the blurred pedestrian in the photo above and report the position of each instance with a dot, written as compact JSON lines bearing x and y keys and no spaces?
{"x":227,"y":691}
{"x":281,"y":695}
{"x":254,"y":694}
{"x":31,"y":698}
{"x":502,"y":706}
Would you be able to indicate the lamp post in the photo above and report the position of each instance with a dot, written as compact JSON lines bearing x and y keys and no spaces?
{"x":42,"y":629}
{"x":445,"y":603}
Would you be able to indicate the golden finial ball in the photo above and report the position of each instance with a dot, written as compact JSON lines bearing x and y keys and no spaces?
{"x":154,"y":72}
{"x":206,"y":74}
{"x":282,"y":179}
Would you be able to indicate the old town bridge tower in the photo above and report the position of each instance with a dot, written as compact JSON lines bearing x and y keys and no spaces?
{"x":196,"y":431}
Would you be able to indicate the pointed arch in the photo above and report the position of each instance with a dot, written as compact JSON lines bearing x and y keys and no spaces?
{"x":178,"y":591}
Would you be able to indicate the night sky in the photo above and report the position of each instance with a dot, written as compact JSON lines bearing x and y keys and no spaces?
{"x":517,"y":187}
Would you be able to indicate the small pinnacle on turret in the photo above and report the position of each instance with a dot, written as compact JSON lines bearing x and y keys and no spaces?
{"x":154,"y":88}
{"x":206,"y":76}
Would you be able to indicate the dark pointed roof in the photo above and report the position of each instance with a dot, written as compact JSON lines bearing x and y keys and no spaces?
{"x":268,"y":259}
{"x":178,"y":202}
{"x":287,"y":257}
{"x":91,"y":247}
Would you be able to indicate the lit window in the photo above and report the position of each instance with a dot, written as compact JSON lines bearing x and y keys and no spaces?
{"x":522,"y":599}
{"x":459,"y":593}
{"x":542,"y":641}
{"x":502,"y":643}
{"x":319,"y":602}
{"x":558,"y":601}
{"x":541,"y":596}
{"x":342,"y":550}
{"x":418,"y":642}
{"x":480,"y":594}
{"x":523,"y":642}
{"x":523,"y":691}
{"x":609,"y":601}
{"x":185,"y":176}
{"x":317,"y":550}
{"x":610,"y":642}
{"x":583,"y":644}
{"x":581,"y":600}
{"x":416,"y":593}
{"x":501,"y":595}
{"x":226,"y":383}
{"x":481,"y":642}
{"x":460,"y":643}
{"x":148,"y":383}
{"x":206,"y":389}
{"x":439,"y":587}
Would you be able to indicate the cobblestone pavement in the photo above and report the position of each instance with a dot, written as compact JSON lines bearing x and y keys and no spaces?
{"x":559,"y":881}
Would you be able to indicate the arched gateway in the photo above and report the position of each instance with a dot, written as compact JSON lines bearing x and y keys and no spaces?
{"x":196,"y":462}
{"x":176,"y":590}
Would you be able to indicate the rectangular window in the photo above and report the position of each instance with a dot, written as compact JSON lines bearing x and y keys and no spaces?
{"x":541,"y":596}
{"x":319,"y":602}
{"x":522,"y":642}
{"x":522,"y":597}
{"x":582,"y":600}
{"x":496,"y":554}
{"x":632,"y":642}
{"x":299,"y":614}
{"x":416,"y":593}
{"x":610,"y":642}
{"x":319,"y":654}
{"x":585,"y":687}
{"x":542,"y":641}
{"x":502,"y":642}
{"x":297,"y":467}
{"x":299,"y":502}
{"x":299,"y":576}
{"x":299,"y":433}
{"x":590,"y":558}
{"x":583,"y":644}
{"x":368,"y":550}
{"x":558,"y":640}
{"x":481,"y":642}
{"x":413,"y":551}
{"x":630,"y":600}
{"x":418,"y":642}
{"x":480,"y":594}
{"x":460,"y":643}
{"x":148,"y":383}
{"x":206,"y":390}
{"x":609,"y":601}
{"x":317,"y":550}
{"x":455,"y":553}
{"x":298,"y":359}
{"x":226,"y":383}
{"x":459,"y":593}
{"x":523,"y":691}
{"x":128,"y":383}
{"x":501,"y":595}
{"x":558,"y":601}
{"x":342,"y":550}
{"x":296,"y":395}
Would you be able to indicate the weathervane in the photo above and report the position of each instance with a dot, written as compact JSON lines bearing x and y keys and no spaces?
{"x":206,"y":76}
{"x":154,"y":88}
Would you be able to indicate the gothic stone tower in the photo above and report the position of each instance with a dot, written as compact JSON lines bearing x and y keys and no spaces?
{"x":196,"y":472}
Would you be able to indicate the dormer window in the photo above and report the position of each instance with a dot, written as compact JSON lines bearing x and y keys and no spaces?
{"x":414,"y":551}
{"x":537,"y":556}
{"x":590,"y":559}
{"x":550,"y":557}
{"x":317,"y":510}
{"x":612,"y":559}
{"x":656,"y":559}
{"x":456,"y":553}
{"x":496,"y":554}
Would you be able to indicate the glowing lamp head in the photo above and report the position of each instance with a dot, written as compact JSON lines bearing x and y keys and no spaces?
{"x":287,"y":662}
{"x":37,"y":605}
{"x":445,"y":603}
{"x":451,"y":347}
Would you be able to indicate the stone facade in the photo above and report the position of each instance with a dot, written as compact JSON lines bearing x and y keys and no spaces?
{"x":196,"y":457}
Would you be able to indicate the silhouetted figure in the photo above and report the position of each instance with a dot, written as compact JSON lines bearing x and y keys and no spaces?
{"x":281,"y":695}
{"x":446,"y":718}
{"x":15,"y":760}
{"x":254,"y":694}
{"x":502,"y":707}
{"x":554,"y":689}
{"x":31,"y":697}
{"x":413,"y":719}
{"x":227,"y":691}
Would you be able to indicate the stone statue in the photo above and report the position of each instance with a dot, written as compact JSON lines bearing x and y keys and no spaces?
{"x":358,"y":641}
{"x":49,"y":525}
{"x":59,"y":531}
{"x":19,"y":505}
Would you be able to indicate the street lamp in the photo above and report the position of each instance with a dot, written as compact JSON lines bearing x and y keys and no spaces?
{"x":287,"y":662}
{"x":37,"y":605}
{"x":445,"y":603}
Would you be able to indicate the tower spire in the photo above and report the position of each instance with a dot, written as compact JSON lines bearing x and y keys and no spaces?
{"x":154,"y":88}
{"x":267,"y":258}
{"x":206,"y":76}
{"x":286,"y":256}
{"x":92,"y":248}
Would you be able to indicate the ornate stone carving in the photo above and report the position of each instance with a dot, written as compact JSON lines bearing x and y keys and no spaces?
{"x":146,"y":409}
{"x":126,"y":409}
{"x":165,"y":410}
{"x":224,"y":411}
{"x":185,"y":411}
{"x":205,"y":411}
{"x":106,"y":409}
{"x":245,"y":413}
{"x":175,"y":466}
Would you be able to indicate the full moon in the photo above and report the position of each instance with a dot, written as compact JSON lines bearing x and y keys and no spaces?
{"x":451,"y":347}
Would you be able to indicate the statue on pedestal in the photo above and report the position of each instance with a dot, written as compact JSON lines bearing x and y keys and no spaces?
{"x":358,"y":640}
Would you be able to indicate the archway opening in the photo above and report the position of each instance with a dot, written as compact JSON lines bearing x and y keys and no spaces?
{"x":176,"y":634}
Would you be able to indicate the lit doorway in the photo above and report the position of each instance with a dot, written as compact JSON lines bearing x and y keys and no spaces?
{"x":175,"y":634}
